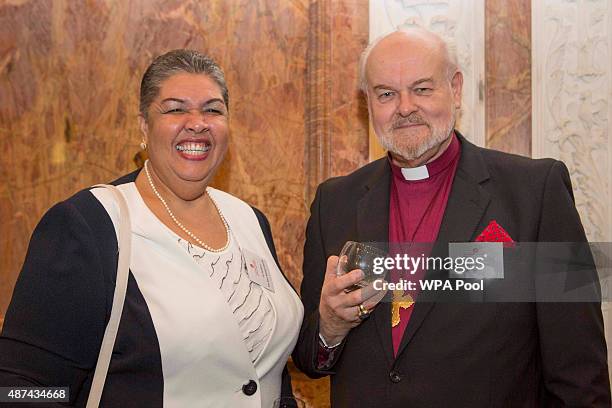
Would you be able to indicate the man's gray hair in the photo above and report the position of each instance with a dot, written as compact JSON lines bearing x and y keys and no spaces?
{"x":174,"y":62}
{"x":448,"y":43}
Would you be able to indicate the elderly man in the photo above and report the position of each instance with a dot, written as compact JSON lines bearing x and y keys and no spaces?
{"x":435,"y":186}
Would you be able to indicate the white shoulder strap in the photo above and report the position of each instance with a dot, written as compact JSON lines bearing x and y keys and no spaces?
{"x":110,"y":333}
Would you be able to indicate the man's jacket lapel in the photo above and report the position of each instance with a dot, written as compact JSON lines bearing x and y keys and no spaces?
{"x":373,"y":226}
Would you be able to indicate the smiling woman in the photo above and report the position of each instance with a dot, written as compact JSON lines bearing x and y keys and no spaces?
{"x":209,"y":319}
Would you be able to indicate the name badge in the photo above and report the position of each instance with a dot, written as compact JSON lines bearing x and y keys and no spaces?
{"x":257,"y":270}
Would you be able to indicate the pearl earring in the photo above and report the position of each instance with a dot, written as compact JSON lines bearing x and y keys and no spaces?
{"x":143,"y":145}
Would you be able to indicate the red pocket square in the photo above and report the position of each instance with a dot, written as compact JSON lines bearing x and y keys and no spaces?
{"x":494,"y":233}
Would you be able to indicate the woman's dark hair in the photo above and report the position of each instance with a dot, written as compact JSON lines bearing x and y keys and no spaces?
{"x":174,"y":62}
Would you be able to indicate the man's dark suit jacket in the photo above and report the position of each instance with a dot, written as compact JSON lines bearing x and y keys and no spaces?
{"x":459,"y":355}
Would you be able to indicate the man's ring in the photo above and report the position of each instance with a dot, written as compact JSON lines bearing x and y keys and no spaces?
{"x":363,"y":313}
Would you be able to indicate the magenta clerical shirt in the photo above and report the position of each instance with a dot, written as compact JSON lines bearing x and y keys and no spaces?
{"x":417,"y":203}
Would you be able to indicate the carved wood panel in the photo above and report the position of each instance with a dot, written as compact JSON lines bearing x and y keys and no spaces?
{"x":572,"y":89}
{"x":572,"y":113}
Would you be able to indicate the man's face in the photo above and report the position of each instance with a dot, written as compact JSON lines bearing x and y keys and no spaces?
{"x":412,"y":97}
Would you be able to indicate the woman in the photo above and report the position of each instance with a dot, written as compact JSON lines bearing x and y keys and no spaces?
{"x":209,"y":319}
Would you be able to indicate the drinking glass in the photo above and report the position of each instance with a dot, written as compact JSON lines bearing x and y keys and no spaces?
{"x":367,"y":257}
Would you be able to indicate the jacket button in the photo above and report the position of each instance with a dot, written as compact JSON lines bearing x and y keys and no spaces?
{"x":250,"y":388}
{"x":395,"y":377}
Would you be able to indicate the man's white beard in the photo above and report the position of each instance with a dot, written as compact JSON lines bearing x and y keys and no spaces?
{"x":411,"y":152}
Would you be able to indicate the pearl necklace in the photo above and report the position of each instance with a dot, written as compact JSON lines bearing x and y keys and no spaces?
{"x":181,"y":226}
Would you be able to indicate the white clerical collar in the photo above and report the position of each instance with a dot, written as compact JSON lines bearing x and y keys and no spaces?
{"x":415,"y":173}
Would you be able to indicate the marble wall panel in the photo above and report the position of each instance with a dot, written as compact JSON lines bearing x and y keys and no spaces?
{"x":349,"y":112}
{"x":267,"y":56}
{"x":508,"y":75}
{"x":315,"y":393}
{"x":63,"y":123}
{"x":335,"y":118}
{"x":69,"y":79}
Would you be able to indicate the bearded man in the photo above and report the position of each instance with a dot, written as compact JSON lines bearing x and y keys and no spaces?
{"x":435,"y":186}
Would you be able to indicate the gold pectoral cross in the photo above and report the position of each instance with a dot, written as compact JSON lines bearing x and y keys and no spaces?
{"x":401,"y":300}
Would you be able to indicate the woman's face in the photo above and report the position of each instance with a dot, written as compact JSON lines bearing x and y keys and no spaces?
{"x":186,"y":130}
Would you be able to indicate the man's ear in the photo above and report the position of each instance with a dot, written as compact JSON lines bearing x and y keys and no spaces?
{"x":457,"y":87}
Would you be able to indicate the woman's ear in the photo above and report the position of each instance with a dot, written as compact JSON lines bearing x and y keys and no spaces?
{"x":144,"y":128}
